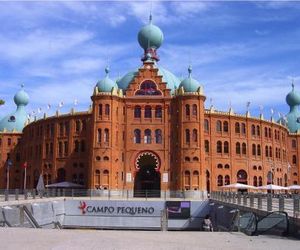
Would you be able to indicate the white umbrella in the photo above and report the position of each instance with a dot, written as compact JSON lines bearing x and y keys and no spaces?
{"x":239,"y":186}
{"x":294,"y":187}
{"x":272,"y":187}
{"x":64,"y":184}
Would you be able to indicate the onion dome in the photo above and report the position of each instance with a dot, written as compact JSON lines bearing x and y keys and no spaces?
{"x":150,"y":36}
{"x":106,"y":84}
{"x":293,"y":98}
{"x":292,"y":119}
{"x":189,"y":84}
{"x":16,"y":120}
{"x":21,"y":97}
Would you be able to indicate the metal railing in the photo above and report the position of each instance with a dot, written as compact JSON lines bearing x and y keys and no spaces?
{"x":261,"y":201}
{"x":20,"y":195}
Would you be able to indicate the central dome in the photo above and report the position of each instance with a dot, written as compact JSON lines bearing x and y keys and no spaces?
{"x":150,"y":36}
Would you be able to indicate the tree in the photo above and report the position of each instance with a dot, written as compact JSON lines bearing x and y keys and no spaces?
{"x":2,"y":102}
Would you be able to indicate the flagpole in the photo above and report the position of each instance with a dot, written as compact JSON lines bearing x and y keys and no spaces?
{"x":25,"y":178}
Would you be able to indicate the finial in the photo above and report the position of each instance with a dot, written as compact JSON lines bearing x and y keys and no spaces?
{"x":293,"y":85}
{"x":190,"y":70}
{"x":106,"y":70}
{"x":150,"y":15}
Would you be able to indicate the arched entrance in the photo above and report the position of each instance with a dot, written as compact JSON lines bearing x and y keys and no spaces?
{"x":147,"y":178}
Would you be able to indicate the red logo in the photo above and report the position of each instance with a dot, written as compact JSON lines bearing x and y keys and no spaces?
{"x":82,"y":207}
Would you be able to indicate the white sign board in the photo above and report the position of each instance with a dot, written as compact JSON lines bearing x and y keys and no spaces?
{"x":128,"y":177}
{"x":165,"y":177}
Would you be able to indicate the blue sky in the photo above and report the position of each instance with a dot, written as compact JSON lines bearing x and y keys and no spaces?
{"x":240,"y":51}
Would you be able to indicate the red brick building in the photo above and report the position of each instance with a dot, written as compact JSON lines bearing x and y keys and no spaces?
{"x":150,"y":131}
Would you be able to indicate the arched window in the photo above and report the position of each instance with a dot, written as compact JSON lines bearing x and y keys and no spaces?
{"x":105,"y":158}
{"x":106,"y":136}
{"x":147,"y":136}
{"x":187,"y":110}
{"x":196,"y":180}
{"x":219,"y":126}
{"x":227,"y":180}
{"x":82,"y":146}
{"x":100,"y":110}
{"x":220,"y":166}
{"x":258,"y":130}
{"x":258,"y":150}
{"x":267,"y":151}
{"x":259,"y":168}
{"x":195,"y":158}
{"x":270,"y":151}
{"x":76,"y":148}
{"x":99,"y":135}
{"x":158,"y":136}
{"x":220,"y":180}
{"x":61,"y":175}
{"x":219,"y":147}
{"x":270,"y":133}
{"x":206,"y":125}
{"x":97,"y":178}
{"x":107,"y":109}
{"x":238,"y":148}
{"x":137,"y":136}
{"x":187,"y":180}
{"x":254,"y":167}
{"x":252,"y":129}
{"x":148,"y":111}
{"x":77,"y":126}
{"x":243,"y":128}
{"x":294,"y":159}
{"x":255,"y":181}
{"x":225,"y":126}
{"x":105,"y":181}
{"x":194,"y":111}
{"x":187,"y":136}
{"x":187,"y":159}
{"x":74,"y":178}
{"x":158,"y":112}
{"x":137,"y":112}
{"x":195,"y":135}
{"x":253,"y":149}
{"x":227,"y":166}
{"x":266,"y":132}
{"x":244,"y":148}
{"x":226,"y":147}
{"x":206,"y":144}
{"x":237,"y":128}
{"x":260,"y":181}
{"x":148,"y":88}
{"x":294,"y":143}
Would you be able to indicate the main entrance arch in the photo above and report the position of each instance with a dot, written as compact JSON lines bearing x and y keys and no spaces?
{"x":147,"y":178}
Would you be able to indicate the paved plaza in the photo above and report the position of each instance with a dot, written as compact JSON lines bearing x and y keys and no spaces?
{"x":20,"y":238}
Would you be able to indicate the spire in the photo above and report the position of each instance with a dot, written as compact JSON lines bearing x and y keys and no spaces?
{"x":150,"y":17}
{"x":293,"y":85}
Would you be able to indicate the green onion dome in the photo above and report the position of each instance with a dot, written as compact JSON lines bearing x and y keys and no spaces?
{"x":106,"y":84}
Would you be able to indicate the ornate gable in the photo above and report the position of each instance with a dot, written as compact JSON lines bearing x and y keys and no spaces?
{"x":148,"y":83}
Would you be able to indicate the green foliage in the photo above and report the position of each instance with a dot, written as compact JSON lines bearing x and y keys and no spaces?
{"x":2,"y":102}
